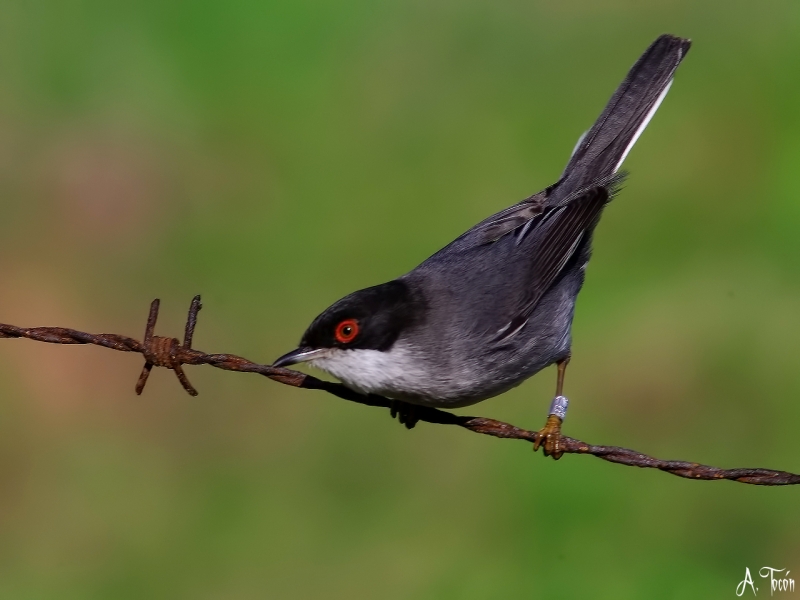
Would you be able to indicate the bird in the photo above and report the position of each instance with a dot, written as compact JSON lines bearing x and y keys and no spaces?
{"x":495,"y":306}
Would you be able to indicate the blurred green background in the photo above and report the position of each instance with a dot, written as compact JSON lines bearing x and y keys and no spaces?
{"x":276,"y":156}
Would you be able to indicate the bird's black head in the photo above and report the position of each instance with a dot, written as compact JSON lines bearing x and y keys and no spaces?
{"x":369,"y":319}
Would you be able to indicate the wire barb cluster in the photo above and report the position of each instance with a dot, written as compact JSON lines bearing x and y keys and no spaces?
{"x":167,"y":352}
{"x":171,"y":354}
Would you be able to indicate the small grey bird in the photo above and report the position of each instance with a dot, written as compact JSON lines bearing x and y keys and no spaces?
{"x":495,"y":306}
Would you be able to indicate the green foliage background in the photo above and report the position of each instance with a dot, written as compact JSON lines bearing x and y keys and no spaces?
{"x":276,"y":156}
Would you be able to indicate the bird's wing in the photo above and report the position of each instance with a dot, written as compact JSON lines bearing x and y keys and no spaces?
{"x":550,"y":239}
{"x":508,"y":220}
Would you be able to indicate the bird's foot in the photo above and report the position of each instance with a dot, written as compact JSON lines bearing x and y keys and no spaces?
{"x":549,"y":438}
{"x":405,"y":413}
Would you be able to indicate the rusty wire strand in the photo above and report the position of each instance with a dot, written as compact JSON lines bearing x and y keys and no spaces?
{"x":170,"y":353}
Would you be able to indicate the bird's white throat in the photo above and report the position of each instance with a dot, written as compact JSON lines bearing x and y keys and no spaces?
{"x":396,"y":373}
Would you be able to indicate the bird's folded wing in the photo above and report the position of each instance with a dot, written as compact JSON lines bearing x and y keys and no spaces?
{"x":551,"y":239}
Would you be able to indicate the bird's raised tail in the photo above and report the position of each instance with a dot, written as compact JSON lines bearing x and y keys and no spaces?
{"x":600,"y":152}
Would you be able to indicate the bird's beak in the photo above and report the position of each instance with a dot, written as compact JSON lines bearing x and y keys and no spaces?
{"x":298,"y":356}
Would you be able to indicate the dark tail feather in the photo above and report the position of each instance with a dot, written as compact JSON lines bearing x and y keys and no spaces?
{"x":602,"y":149}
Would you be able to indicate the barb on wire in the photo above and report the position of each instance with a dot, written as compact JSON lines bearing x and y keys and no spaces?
{"x":170,"y":353}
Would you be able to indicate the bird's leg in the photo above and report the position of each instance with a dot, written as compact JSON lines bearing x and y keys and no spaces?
{"x":405,"y":413}
{"x":562,"y":368}
{"x":549,"y":437}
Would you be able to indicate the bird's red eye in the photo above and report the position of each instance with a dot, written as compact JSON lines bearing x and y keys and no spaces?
{"x":346,"y":331}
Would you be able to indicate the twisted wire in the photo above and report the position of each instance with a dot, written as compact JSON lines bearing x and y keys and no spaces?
{"x":169,"y":353}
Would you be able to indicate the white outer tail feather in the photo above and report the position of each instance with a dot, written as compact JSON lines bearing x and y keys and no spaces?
{"x":644,"y":124}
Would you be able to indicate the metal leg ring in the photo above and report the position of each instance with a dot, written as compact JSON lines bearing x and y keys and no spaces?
{"x":558,"y":407}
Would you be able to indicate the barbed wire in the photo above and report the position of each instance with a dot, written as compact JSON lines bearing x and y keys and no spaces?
{"x":170,"y":353}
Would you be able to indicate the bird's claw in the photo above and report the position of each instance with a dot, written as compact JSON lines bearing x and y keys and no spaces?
{"x":405,"y":413}
{"x":549,"y":438}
